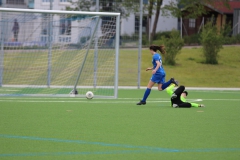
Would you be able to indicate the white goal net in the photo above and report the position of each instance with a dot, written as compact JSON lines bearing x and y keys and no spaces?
{"x":58,"y":53}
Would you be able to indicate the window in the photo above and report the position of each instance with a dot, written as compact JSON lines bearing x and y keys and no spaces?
{"x":44,"y":28}
{"x":65,"y":29}
{"x":144,"y":24}
{"x":64,"y":39}
{"x":65,"y":26}
{"x":47,"y":0}
{"x":45,"y":21}
{"x":15,"y":1}
{"x":192,"y":23}
{"x":64,"y":0}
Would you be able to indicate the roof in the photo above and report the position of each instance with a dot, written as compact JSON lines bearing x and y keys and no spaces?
{"x":219,"y":6}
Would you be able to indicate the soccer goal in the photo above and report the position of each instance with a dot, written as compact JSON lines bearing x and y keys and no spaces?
{"x":58,"y":53}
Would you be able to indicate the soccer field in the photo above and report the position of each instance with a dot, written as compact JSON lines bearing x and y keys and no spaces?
{"x":77,"y":128}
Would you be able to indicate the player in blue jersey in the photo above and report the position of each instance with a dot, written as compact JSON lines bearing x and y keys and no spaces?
{"x":158,"y":73}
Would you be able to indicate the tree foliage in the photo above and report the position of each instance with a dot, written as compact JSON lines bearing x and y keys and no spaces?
{"x":121,"y":6}
{"x":80,"y":5}
{"x":195,"y":7}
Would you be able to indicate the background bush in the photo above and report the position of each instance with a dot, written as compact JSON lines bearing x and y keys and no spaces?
{"x":173,"y":45}
{"x":159,"y":35}
{"x":212,"y":41}
{"x":192,"y":39}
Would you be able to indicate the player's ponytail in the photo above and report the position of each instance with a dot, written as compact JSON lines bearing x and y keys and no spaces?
{"x":161,"y":48}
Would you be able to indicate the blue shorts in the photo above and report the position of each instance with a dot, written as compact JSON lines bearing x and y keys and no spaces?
{"x":158,"y":78}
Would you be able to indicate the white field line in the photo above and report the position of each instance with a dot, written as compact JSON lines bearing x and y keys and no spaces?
{"x":79,"y":98}
{"x":89,"y":101}
{"x":84,"y":101}
{"x":9,"y":90}
{"x":216,"y":91}
{"x":104,"y":102}
{"x":187,"y":88}
{"x":107,"y":100}
{"x":121,"y":87}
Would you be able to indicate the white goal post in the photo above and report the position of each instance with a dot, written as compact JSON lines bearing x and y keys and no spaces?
{"x":58,"y":53}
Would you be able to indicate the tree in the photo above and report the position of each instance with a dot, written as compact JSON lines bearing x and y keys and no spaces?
{"x":80,"y":5}
{"x":122,"y":6}
{"x":153,"y":7}
{"x":158,"y":7}
{"x":195,"y":7}
{"x":210,"y":38}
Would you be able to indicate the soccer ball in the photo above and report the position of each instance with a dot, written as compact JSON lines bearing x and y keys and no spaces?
{"x":89,"y":95}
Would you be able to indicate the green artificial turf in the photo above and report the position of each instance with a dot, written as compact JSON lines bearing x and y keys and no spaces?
{"x":77,"y":128}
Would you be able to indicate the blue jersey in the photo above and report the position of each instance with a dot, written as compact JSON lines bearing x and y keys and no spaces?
{"x":157,"y":57}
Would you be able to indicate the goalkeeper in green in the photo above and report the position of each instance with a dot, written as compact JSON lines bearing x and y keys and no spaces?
{"x":178,"y":98}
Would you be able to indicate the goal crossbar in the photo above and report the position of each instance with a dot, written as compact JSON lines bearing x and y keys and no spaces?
{"x":59,"y":12}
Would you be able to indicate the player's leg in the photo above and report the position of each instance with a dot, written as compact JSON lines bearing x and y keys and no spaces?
{"x":182,"y":105}
{"x":187,"y":105}
{"x":177,"y":93}
{"x":169,"y":89}
{"x":196,"y":105}
{"x":147,"y":92}
{"x":15,"y":36}
{"x":162,"y":85}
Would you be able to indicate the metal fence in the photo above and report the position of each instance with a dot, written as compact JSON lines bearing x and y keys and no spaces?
{"x":236,"y":21}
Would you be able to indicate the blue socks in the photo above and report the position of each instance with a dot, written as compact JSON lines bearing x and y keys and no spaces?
{"x":165,"y":85}
{"x":146,"y":94}
{"x":148,"y":90}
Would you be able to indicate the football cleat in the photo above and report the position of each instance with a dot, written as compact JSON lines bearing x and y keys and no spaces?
{"x":175,"y":106}
{"x":141,"y":103}
{"x":174,"y":81}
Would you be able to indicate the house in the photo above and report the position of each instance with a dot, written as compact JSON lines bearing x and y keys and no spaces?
{"x":221,"y":15}
{"x":129,"y":26}
{"x":24,"y":4}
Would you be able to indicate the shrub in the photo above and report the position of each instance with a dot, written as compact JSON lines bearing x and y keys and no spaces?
{"x":144,"y":40}
{"x":229,"y":40}
{"x":226,"y":30}
{"x":237,"y":38}
{"x":212,"y":41}
{"x":192,"y":39}
{"x":173,"y":45}
{"x":159,"y":35}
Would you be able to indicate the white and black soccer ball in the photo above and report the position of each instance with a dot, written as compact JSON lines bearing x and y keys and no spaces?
{"x":89,"y":95}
